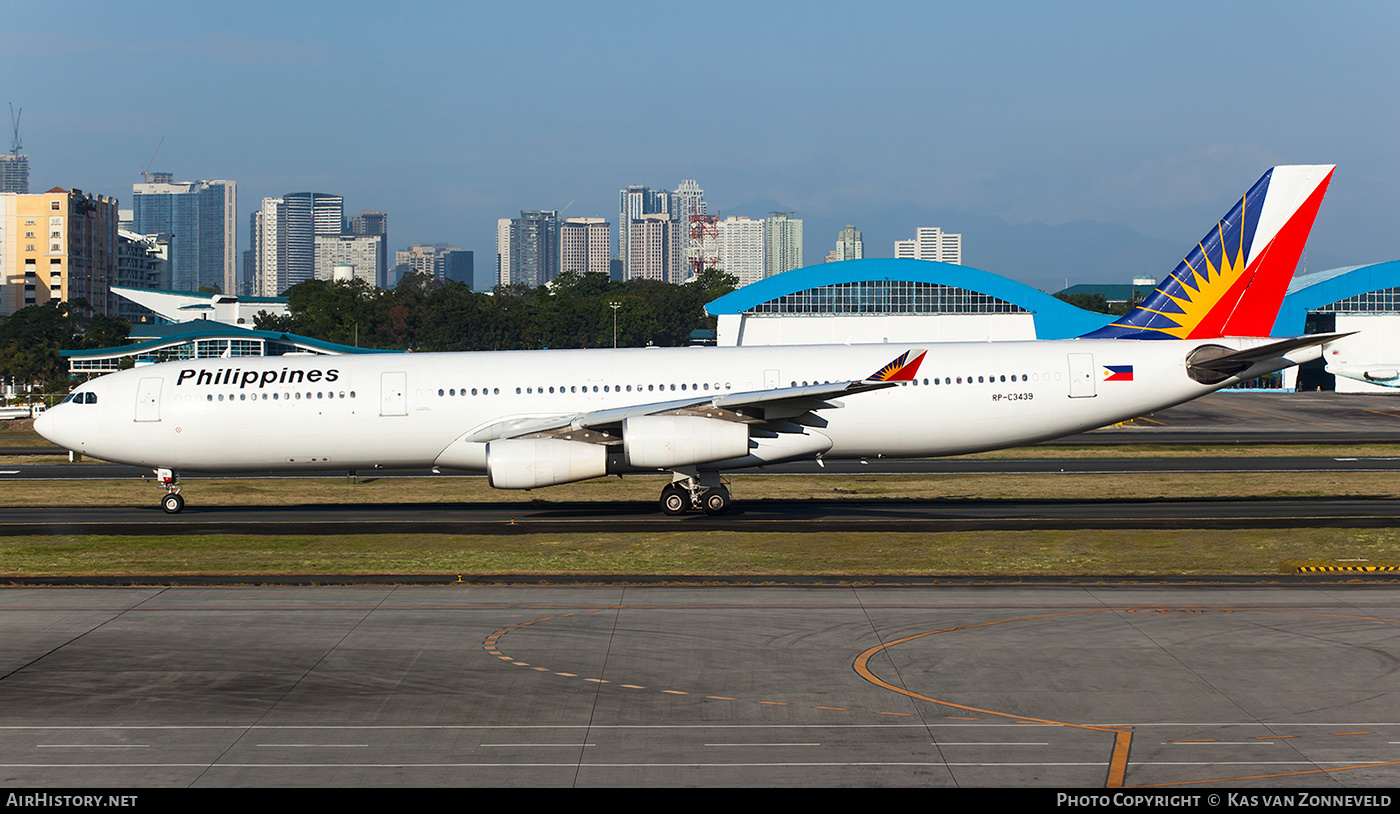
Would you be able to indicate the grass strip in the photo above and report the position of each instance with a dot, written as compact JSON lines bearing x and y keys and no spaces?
{"x":1018,"y":553}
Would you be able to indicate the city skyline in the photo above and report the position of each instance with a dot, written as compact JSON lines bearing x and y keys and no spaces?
{"x":1148,"y":118}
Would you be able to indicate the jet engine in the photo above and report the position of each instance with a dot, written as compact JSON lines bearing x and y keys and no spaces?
{"x":667,"y":441}
{"x":528,"y":463}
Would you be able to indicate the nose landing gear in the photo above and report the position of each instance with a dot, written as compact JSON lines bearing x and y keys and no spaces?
{"x":172,"y":503}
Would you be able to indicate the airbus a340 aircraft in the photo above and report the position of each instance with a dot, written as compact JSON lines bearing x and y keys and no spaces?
{"x":537,"y":418}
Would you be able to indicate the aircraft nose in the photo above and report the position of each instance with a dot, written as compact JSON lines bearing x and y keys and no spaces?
{"x":51,"y":424}
{"x":44,"y":424}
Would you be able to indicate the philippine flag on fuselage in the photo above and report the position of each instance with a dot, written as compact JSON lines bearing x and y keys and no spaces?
{"x":1117,"y":373}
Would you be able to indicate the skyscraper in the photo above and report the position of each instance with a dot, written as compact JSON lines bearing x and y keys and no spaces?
{"x":655,"y":251}
{"x":634,"y":202}
{"x":849,"y":246}
{"x":931,"y":243}
{"x":742,"y":248}
{"x":364,"y":253}
{"x":503,"y":251}
{"x":456,"y":264}
{"x":201,"y":217}
{"x":284,"y":237}
{"x":438,"y":261}
{"x":686,"y":201}
{"x":534,"y":247}
{"x":784,"y":243}
{"x":14,"y":173}
{"x":585,"y":245}
{"x":370,"y":222}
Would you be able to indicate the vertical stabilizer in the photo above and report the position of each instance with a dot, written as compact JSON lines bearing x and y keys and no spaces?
{"x":1233,"y":282}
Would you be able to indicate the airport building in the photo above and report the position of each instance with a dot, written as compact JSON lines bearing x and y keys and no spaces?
{"x":187,"y":306}
{"x":198,"y":340}
{"x":1360,"y":299}
{"x":902,"y":300}
{"x":892,"y":300}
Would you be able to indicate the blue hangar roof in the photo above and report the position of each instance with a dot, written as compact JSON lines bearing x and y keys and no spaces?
{"x":1054,"y":319}
{"x":1310,"y":292}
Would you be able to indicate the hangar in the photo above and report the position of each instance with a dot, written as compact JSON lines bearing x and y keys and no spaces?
{"x":901,"y":300}
{"x":892,"y":300}
{"x":1364,"y":299}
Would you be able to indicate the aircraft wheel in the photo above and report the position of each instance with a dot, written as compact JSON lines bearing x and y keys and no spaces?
{"x":675,"y":500}
{"x":716,"y":501}
{"x":172,"y":503}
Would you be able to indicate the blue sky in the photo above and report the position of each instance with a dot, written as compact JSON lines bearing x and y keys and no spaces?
{"x":451,"y":115}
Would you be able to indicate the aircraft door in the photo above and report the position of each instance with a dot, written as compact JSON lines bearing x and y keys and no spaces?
{"x":771,"y":380}
{"x":148,"y":399}
{"x":1081,"y":376}
{"x":393,"y":393}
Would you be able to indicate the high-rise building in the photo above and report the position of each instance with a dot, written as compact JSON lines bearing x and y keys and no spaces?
{"x":503,"y":251}
{"x":438,"y":261}
{"x":364,"y":254}
{"x":57,"y":245}
{"x":784,"y":243}
{"x":457,"y":265}
{"x":14,"y":173}
{"x":849,"y":246}
{"x":419,"y":258}
{"x":742,"y":249}
{"x":634,"y":202}
{"x":534,"y":247}
{"x":655,"y":251}
{"x":284,"y":237}
{"x":687,"y":201}
{"x":585,"y":245}
{"x":143,"y":261}
{"x":370,"y":222}
{"x":201,"y":217}
{"x":931,"y":243}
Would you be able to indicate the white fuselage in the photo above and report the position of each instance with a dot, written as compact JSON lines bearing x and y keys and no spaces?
{"x":404,"y":410}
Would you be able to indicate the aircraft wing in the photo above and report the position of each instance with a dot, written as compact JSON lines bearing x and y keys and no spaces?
{"x":749,"y":407}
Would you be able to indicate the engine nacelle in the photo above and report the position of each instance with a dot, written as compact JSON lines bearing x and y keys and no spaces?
{"x":666,"y":441}
{"x":528,"y":463}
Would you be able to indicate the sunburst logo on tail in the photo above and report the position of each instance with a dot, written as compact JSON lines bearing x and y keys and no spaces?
{"x":1206,"y":287}
{"x":900,"y":369}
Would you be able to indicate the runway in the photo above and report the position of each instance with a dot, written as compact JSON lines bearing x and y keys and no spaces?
{"x":848,"y":515}
{"x":1109,"y":687}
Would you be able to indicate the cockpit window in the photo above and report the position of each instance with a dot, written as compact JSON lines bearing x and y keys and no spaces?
{"x":91,"y":398}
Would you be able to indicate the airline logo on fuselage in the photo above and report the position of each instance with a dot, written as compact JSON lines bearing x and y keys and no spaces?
{"x":231,"y":376}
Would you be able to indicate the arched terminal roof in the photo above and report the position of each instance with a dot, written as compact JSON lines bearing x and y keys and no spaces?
{"x":1321,"y":289}
{"x":1054,"y":319}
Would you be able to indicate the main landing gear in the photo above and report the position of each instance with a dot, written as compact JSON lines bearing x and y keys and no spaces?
{"x":705,"y":493}
{"x":172,"y":503}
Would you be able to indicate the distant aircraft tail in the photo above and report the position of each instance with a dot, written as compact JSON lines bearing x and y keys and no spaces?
{"x":1233,"y":282}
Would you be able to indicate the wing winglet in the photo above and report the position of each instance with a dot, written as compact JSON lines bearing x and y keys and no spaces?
{"x":900,"y":369}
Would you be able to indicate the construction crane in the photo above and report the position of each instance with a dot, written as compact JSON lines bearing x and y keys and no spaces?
{"x":15,"y":143}
{"x":145,"y":171}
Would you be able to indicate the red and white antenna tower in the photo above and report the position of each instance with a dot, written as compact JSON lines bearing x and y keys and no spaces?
{"x":704,"y":235}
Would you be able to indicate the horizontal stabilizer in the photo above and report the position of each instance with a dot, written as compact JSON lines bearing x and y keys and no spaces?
{"x":1211,"y":364}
